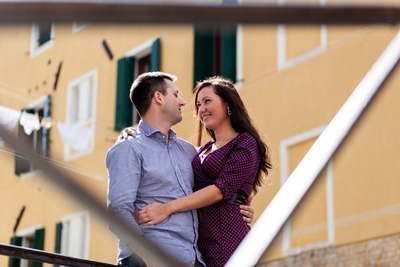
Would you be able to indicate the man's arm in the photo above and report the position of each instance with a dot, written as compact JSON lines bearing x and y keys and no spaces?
{"x":122,"y":186}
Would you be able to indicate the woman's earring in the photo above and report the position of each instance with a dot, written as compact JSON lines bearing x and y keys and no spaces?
{"x":229,"y":111}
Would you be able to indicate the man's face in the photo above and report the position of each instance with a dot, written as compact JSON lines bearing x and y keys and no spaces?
{"x":173,"y":103}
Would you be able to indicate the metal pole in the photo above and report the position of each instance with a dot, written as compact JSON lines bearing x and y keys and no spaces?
{"x":109,"y":11}
{"x":291,"y":193}
{"x":43,"y":256}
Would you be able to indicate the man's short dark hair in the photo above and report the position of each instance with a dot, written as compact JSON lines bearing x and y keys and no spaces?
{"x":144,"y":87}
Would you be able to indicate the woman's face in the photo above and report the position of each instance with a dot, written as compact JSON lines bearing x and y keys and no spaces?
{"x":211,"y":109}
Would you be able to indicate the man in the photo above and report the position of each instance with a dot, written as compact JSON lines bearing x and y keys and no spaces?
{"x":154,"y":167}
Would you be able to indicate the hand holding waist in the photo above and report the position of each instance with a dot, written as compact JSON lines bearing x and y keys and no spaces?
{"x":152,"y":214}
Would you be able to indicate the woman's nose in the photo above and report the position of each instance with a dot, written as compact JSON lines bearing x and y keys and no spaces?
{"x":201,"y":109}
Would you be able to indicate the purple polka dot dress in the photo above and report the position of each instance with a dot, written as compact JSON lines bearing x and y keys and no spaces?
{"x":232,"y":167}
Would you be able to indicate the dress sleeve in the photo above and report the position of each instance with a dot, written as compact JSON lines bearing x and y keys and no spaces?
{"x":124,"y":169}
{"x":240,"y":168}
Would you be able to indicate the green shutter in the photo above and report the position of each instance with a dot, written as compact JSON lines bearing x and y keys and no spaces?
{"x":38,"y":243}
{"x":228,"y":52}
{"x":45,"y":131}
{"x":203,"y":53}
{"x":124,"y":109}
{"x":22,"y":164}
{"x":57,"y":243}
{"x":15,"y":262}
{"x":155,"y":56}
{"x":57,"y":246}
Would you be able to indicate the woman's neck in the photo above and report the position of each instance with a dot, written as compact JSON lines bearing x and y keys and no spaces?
{"x":222,"y":137}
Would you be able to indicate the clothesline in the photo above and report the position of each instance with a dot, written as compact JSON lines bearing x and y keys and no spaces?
{"x":61,"y":164}
{"x":76,"y":136}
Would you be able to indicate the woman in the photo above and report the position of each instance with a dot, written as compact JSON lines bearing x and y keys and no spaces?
{"x":228,"y":168}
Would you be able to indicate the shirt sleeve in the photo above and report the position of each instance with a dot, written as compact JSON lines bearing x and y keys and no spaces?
{"x":240,"y":169}
{"x":124,"y":168}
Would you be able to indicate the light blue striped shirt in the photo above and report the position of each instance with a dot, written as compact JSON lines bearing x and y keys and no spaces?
{"x":147,"y":169}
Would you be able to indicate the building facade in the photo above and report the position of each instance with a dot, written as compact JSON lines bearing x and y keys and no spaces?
{"x":74,"y":78}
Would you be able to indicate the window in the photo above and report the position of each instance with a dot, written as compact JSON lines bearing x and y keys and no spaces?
{"x":138,"y":60}
{"x":293,"y":48}
{"x":79,"y":26}
{"x":311,"y":226}
{"x":215,"y":52}
{"x":30,"y":238}
{"x":72,"y":235}
{"x":78,"y":132}
{"x":42,"y":37}
{"x":37,"y":139}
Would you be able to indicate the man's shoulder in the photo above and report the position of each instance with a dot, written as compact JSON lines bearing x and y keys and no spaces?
{"x":123,"y":146}
{"x":184,"y":143}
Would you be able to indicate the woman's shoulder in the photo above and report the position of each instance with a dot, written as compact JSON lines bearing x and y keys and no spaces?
{"x":246,"y":140}
{"x":247,"y":137}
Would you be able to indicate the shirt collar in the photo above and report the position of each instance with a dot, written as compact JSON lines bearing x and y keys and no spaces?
{"x":149,"y":130}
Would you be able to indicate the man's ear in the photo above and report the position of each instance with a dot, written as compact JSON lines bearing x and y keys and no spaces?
{"x":158,"y":97}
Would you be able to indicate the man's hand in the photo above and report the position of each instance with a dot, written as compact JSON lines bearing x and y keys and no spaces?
{"x":126,"y":134}
{"x":247,"y":210}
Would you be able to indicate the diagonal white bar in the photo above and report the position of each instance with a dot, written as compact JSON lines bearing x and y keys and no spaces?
{"x":286,"y":200}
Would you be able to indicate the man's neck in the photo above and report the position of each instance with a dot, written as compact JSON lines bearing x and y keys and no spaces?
{"x":162,"y":126}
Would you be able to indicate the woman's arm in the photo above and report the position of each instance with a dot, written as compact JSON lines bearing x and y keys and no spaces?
{"x":157,"y":212}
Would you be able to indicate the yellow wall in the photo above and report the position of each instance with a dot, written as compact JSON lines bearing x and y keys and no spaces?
{"x":283,"y":103}
{"x":306,"y":96}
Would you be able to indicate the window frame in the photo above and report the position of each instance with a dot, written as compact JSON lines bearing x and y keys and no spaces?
{"x":77,"y":26}
{"x":37,"y":48}
{"x":66,"y":234}
{"x":218,"y":39}
{"x":283,"y":61}
{"x":90,"y":123}
{"x":31,"y":232}
{"x":287,"y":249}
{"x":128,"y":68}
{"x":42,"y":103}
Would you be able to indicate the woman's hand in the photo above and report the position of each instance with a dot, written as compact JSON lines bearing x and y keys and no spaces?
{"x":152,"y":214}
{"x":247,"y":210}
{"x":126,"y":134}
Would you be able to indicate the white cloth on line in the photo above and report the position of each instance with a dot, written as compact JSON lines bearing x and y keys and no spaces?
{"x":9,"y":118}
{"x":78,"y":137}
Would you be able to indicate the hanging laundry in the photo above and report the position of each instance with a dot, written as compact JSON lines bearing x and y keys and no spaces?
{"x":30,"y":122}
{"x":9,"y":118}
{"x":78,"y":137}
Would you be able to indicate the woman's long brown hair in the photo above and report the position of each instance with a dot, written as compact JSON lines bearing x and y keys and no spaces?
{"x":240,"y":120}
